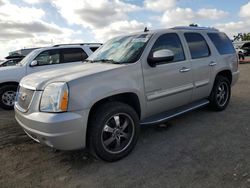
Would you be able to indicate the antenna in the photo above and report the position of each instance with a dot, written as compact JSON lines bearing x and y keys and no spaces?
{"x":146,"y":29}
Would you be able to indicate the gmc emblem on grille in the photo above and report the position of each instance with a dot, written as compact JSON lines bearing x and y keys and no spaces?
{"x":23,"y":96}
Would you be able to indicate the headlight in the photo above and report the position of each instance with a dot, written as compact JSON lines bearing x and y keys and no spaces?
{"x":55,"y":98}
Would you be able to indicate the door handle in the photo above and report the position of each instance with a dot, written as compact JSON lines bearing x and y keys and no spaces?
{"x":184,"y":69}
{"x":212,"y":64}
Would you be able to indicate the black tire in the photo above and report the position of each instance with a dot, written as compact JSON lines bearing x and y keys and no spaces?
{"x":99,"y":135}
{"x":217,"y":101}
{"x":10,"y":99}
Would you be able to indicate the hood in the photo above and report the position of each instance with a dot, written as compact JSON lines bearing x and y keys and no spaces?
{"x":9,"y":68}
{"x":65,"y":74}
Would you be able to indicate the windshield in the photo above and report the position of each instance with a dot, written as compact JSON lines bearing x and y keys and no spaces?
{"x":125,"y":49}
{"x":28,"y":57}
{"x":4,"y":61}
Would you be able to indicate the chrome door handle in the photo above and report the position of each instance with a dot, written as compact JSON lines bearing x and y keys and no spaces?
{"x":184,"y":69}
{"x":212,"y":64}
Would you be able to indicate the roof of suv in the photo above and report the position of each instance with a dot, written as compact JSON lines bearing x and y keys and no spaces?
{"x":194,"y":28}
{"x":180,"y":28}
{"x":76,"y":45}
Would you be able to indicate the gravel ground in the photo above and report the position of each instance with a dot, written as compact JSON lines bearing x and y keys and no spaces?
{"x":199,"y":149}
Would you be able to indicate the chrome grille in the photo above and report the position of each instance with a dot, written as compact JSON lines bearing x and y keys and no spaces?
{"x":24,"y":97}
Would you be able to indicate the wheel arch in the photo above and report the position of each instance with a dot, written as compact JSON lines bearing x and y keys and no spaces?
{"x":226,"y":73}
{"x":129,"y":98}
{"x":9,"y":83}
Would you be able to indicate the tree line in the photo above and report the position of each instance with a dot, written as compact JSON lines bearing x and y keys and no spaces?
{"x":242,"y":37}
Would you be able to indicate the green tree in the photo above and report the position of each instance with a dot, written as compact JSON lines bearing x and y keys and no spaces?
{"x":242,"y":37}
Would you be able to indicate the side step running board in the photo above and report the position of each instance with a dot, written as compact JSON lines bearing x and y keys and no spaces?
{"x":164,"y":116}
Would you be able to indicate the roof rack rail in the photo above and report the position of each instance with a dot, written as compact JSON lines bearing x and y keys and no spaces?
{"x":14,"y":56}
{"x":194,"y":28}
{"x":81,"y":44}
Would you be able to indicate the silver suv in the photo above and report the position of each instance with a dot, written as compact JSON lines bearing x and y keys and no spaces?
{"x":138,"y":79}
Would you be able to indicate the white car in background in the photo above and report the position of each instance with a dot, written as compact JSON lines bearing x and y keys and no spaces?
{"x":39,"y":60}
{"x":10,"y":62}
{"x":239,"y":50}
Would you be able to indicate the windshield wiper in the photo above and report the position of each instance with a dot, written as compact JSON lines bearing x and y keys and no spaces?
{"x":106,"y":61}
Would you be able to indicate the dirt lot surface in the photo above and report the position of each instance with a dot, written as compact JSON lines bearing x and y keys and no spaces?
{"x":200,"y":149}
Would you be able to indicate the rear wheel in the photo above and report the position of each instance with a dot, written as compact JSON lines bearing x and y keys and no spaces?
{"x":113,"y":131}
{"x":7,"y":96}
{"x":221,"y":93}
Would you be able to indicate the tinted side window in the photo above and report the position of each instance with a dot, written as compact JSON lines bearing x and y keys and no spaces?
{"x":48,"y":57}
{"x":16,"y":60}
{"x":197,"y":45}
{"x":93,"y":49}
{"x":73,"y":55}
{"x":170,"y":41}
{"x":222,"y":43}
{"x":11,"y":62}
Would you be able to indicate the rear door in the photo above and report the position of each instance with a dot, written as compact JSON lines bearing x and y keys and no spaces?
{"x":73,"y":55}
{"x":201,"y":61}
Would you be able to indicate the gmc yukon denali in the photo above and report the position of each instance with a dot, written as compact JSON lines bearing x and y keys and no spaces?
{"x":139,"y":79}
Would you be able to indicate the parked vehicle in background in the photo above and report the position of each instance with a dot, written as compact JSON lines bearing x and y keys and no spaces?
{"x":38,"y":60}
{"x":241,"y":53}
{"x":244,"y":46}
{"x":10,"y":62}
{"x":21,"y":52}
{"x":143,"y":78}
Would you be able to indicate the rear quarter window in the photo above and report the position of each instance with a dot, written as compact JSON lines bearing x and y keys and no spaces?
{"x":222,"y":43}
{"x":93,"y":49}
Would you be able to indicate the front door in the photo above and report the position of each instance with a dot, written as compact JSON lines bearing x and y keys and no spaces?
{"x":168,"y":84}
{"x":56,"y":58}
{"x":46,"y":60}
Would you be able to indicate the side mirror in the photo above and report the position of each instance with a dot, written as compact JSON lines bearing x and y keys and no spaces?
{"x":34,"y":63}
{"x":160,"y":56}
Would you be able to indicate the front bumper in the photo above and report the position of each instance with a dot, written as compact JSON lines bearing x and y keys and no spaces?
{"x":63,"y":131}
{"x":235,"y":77}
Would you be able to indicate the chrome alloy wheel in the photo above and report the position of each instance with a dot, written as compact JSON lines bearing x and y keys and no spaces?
{"x":117,"y":133}
{"x":222,"y":94}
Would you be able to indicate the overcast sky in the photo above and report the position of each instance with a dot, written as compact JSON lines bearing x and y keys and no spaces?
{"x":33,"y":23}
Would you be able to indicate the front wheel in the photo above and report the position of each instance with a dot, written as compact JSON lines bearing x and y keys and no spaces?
{"x":7,"y":96}
{"x":221,"y":93}
{"x":113,"y":131}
